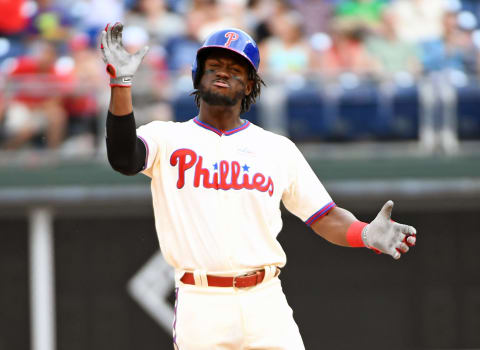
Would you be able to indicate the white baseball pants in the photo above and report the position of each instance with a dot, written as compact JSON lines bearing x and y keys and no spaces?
{"x":223,"y":318}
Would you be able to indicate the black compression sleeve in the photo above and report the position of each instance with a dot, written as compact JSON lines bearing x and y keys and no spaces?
{"x":126,"y":152}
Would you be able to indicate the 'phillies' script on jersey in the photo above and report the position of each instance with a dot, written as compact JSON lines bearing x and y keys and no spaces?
{"x":186,"y":158}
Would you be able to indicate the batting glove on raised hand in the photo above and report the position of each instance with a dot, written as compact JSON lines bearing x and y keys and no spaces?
{"x":387,"y":236}
{"x":121,"y":65}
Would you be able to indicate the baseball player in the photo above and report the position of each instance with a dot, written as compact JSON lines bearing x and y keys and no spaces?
{"x":217,"y":181}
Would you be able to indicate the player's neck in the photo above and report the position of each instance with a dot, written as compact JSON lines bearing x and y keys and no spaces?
{"x":220,"y":117}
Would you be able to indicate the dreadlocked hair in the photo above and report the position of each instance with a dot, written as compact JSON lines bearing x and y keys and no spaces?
{"x":247,"y":101}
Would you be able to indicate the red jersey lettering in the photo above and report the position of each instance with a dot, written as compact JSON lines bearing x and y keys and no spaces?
{"x":187,"y":158}
{"x":200,"y":171}
{"x":180,"y":157}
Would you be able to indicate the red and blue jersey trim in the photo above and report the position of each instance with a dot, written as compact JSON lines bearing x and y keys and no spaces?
{"x":221,"y":132}
{"x":320,"y":213}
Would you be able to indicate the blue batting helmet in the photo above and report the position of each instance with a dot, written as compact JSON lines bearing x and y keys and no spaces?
{"x":232,"y":39}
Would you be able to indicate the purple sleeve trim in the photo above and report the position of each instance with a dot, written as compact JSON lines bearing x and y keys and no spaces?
{"x":320,"y":213}
{"x":148,"y":151}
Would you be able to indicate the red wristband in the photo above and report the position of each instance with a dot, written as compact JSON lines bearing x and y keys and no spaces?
{"x":354,"y":234}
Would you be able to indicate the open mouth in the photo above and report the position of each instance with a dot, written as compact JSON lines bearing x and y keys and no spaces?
{"x":221,"y":83}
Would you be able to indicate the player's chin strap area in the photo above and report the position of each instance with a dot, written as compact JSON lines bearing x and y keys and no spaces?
{"x":249,"y":279}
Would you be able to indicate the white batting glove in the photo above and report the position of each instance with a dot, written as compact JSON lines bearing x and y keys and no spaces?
{"x":121,"y":65}
{"x":387,"y":236}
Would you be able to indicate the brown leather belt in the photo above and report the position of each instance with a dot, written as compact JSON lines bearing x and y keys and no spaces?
{"x":243,"y":281}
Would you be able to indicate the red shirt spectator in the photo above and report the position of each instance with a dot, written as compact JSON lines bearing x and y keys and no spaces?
{"x":35,"y":79}
{"x":13,"y":19}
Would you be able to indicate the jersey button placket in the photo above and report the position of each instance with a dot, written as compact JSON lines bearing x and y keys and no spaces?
{"x":223,"y":154}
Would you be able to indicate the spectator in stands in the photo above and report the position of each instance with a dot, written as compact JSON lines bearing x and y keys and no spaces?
{"x":50,"y":22}
{"x":181,"y":49}
{"x":418,"y":20}
{"x":455,"y":50}
{"x":80,"y":102}
{"x":287,"y":50}
{"x":363,"y":16}
{"x":234,"y":11}
{"x":36,"y":106}
{"x":393,"y":54}
{"x":94,"y":14}
{"x":154,"y":17}
{"x":153,"y":87}
{"x":13,"y":22}
{"x":217,"y":14}
{"x":285,"y":58}
{"x":258,"y":15}
{"x":14,"y":19}
{"x":316,"y":15}
{"x":346,"y":53}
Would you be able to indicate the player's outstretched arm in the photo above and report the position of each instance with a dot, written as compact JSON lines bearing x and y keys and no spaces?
{"x":382,"y":234}
{"x":126,"y":153}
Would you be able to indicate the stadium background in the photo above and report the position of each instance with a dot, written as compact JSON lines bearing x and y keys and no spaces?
{"x":79,"y":263}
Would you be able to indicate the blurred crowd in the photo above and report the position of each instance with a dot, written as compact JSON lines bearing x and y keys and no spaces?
{"x":54,"y":87}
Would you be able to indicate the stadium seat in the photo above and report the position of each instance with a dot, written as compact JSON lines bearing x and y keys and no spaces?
{"x":359,"y":115}
{"x":307,"y":115}
{"x":404,"y":114}
{"x":184,"y":107}
{"x":366,"y":113}
{"x":468,"y":112}
{"x":252,"y":115}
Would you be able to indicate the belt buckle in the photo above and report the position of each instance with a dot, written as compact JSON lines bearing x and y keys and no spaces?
{"x":235,"y":281}
{"x":257,"y":272}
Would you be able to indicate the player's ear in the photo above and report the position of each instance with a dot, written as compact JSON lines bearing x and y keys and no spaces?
{"x":249,"y":87}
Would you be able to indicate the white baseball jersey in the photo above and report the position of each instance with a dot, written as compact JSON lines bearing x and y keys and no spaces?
{"x":216,"y":194}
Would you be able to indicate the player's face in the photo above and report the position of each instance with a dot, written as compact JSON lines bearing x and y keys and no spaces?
{"x":225,"y":79}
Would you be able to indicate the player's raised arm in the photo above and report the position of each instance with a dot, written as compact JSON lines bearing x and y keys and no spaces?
{"x":126,"y":153}
{"x":382,"y":234}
